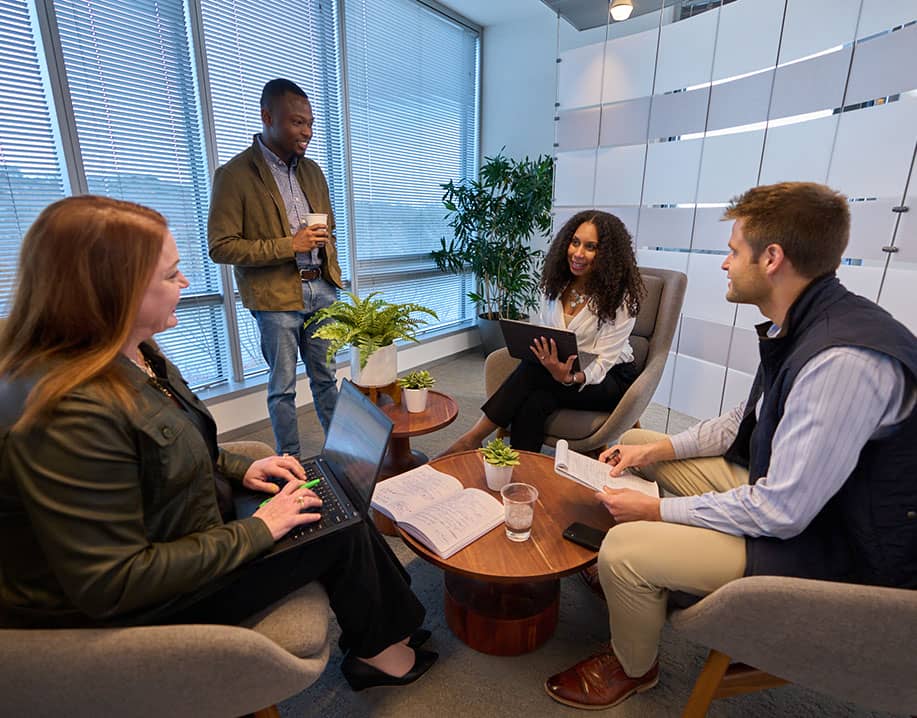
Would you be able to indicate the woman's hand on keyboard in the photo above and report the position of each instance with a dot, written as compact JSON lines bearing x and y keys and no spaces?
{"x":287,"y":468}
{"x":288,"y":509}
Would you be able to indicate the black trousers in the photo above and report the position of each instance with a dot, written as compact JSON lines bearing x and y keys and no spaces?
{"x":368,"y":589}
{"x":530,"y":395}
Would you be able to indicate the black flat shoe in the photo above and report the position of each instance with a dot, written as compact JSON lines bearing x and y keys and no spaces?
{"x":418,"y":638}
{"x":361,"y":675}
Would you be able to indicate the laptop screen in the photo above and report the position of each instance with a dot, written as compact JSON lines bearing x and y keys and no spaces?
{"x":356,"y":442}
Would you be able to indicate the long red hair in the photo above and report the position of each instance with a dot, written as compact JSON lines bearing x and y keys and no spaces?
{"x":84,"y":267}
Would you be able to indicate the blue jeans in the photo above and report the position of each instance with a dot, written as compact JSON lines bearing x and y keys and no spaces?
{"x":282,"y":336}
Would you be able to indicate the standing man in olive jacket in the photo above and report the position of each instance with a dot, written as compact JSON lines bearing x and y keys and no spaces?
{"x":286,"y":268}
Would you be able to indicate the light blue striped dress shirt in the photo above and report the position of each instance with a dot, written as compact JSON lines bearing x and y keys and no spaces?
{"x":842,"y":398}
{"x":294,"y":199}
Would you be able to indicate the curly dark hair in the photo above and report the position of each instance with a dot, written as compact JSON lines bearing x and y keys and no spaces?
{"x":614,"y":281}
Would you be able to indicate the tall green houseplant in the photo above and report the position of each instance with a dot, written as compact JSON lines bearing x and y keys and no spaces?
{"x":493,"y":219}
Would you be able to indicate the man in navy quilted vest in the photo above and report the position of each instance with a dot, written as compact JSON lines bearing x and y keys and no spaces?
{"x":813,"y":476}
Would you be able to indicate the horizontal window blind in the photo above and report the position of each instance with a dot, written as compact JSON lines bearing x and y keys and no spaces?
{"x":130,"y":73}
{"x":412,"y":77}
{"x":245,"y":47}
{"x":31,"y":171}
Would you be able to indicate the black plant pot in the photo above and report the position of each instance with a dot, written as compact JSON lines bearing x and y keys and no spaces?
{"x":491,"y":334}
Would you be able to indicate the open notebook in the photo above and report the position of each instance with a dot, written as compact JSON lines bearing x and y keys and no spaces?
{"x":594,"y":474}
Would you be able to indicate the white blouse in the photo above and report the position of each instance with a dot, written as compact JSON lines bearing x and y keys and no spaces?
{"x":609,"y":342}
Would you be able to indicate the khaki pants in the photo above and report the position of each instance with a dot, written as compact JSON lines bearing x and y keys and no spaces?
{"x":640,"y":561}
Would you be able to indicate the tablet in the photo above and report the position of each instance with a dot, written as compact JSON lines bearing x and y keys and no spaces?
{"x":520,"y":336}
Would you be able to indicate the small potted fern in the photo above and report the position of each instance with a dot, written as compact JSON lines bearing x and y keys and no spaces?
{"x":415,"y":386}
{"x":499,"y":460}
{"x":370,"y":327}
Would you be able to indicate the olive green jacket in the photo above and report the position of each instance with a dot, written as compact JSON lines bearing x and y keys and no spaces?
{"x":104,"y":512}
{"x":248,"y":227}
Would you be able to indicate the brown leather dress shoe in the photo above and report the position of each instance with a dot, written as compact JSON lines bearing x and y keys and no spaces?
{"x":598,"y":682}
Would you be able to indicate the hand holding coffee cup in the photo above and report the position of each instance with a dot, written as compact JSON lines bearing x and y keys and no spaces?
{"x":312,"y":233}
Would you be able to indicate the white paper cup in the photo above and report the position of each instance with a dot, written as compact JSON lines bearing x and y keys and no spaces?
{"x":316,"y":218}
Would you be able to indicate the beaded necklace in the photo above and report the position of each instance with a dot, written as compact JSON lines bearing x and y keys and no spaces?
{"x":154,"y":380}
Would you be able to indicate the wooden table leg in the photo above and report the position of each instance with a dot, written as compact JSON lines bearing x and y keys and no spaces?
{"x":400,"y":458}
{"x":502,"y":619}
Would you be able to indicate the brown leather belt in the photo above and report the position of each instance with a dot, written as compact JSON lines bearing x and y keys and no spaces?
{"x":307,"y":275}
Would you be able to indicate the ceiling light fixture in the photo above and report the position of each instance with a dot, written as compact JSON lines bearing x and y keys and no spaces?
{"x":620,"y":9}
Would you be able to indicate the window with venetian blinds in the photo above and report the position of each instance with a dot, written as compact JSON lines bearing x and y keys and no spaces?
{"x":31,"y":172}
{"x":413,"y":125}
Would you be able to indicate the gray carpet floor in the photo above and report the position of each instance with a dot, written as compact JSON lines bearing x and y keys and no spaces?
{"x":475,"y":685}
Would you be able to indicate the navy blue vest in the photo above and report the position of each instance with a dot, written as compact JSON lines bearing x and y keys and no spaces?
{"x":867,"y":532}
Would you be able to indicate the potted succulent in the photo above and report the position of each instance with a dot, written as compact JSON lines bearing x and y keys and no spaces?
{"x":415,"y":386}
{"x":370,"y":326}
{"x":499,"y":460}
{"x":493,"y":219}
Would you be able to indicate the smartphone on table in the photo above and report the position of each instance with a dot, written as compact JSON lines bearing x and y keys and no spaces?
{"x":586,"y":536}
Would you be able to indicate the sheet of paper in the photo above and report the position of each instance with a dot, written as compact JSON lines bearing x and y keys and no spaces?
{"x":594,"y":474}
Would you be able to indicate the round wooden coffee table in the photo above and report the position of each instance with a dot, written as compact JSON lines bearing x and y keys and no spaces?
{"x":502,"y":597}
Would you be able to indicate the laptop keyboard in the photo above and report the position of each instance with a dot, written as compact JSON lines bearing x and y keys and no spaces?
{"x":331,"y":509}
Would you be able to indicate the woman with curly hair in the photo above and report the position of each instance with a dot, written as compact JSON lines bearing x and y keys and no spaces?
{"x":592,"y":287}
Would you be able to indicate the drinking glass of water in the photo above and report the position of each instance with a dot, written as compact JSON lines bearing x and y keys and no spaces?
{"x":519,"y":510}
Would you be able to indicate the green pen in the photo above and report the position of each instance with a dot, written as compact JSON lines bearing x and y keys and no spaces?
{"x":308,"y":485}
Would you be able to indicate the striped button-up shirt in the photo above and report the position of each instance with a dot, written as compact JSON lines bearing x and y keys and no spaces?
{"x":294,"y":199}
{"x":842,"y":398}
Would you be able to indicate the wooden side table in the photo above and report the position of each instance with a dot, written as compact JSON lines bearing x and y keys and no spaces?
{"x":441,"y":411}
{"x":503,"y":597}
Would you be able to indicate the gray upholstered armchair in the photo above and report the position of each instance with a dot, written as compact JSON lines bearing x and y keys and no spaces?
{"x":651,"y":340}
{"x":852,"y":642}
{"x":182,"y":670}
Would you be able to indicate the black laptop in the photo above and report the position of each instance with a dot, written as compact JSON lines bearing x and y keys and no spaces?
{"x":347,"y":469}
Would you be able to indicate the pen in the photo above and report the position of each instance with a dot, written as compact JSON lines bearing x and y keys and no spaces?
{"x":308,"y":485}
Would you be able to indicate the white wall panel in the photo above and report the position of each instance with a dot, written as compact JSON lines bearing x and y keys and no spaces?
{"x":677,"y":261}
{"x":811,"y":85}
{"x":748,"y":37}
{"x":871,"y":226}
{"x":664,"y":388}
{"x":879,"y":15}
{"x":710,"y":230}
{"x":812,"y":26}
{"x":697,"y":387}
{"x":738,"y":385}
{"x":575,"y":178}
{"x":744,"y":354}
{"x":705,"y":296}
{"x":747,"y":315}
{"x":671,"y":172}
{"x":617,"y":177}
{"x":906,"y":236}
{"x":730,"y":165}
{"x":865,"y":280}
{"x":629,"y":66}
{"x":578,"y":129}
{"x":800,"y":152}
{"x":898,"y":295}
{"x":665,"y":227}
{"x":579,"y":77}
{"x":868,"y":158}
{"x":883,"y":66}
{"x":686,"y":52}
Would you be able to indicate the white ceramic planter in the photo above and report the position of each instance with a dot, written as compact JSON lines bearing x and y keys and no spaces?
{"x":497,"y":476}
{"x":415,"y":400}
{"x":381,"y":368}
